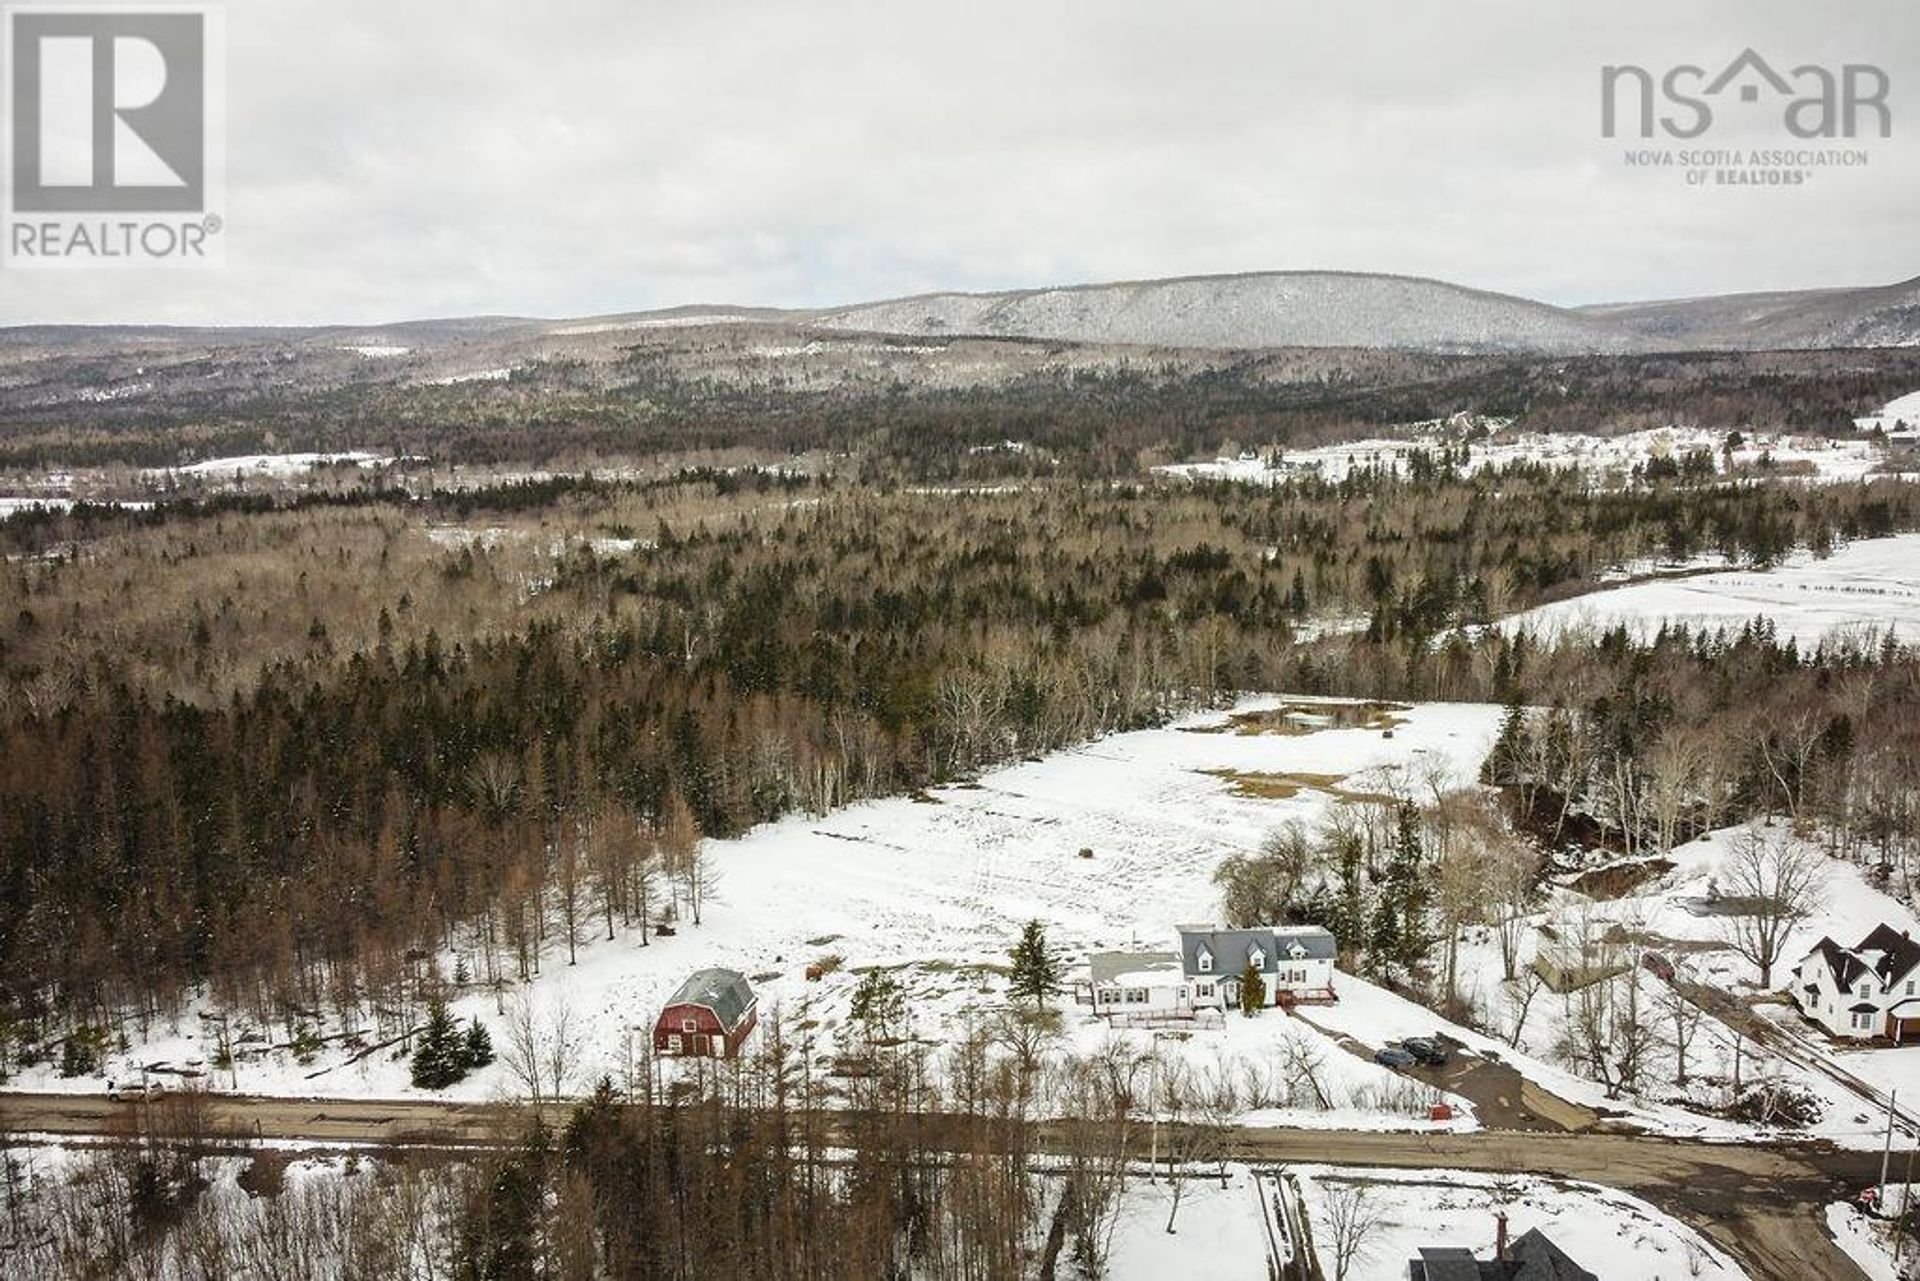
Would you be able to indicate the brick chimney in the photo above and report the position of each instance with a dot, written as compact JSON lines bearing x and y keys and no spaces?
{"x":1500,"y":1237}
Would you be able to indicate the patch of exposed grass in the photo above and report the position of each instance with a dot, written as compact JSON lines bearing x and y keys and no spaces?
{"x":1298,"y":719}
{"x":1255,"y":785}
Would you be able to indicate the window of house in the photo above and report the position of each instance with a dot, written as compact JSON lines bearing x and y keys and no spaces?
{"x":1258,"y":958}
{"x":673,"y":1043}
{"x":1104,"y":996}
{"x":689,"y":1025}
{"x":1203,"y":989}
{"x":1866,"y":989}
{"x":1206,"y":962}
{"x":1909,"y":987}
{"x":1136,"y":996}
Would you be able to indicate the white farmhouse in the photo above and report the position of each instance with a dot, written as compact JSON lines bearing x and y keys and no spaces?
{"x":1865,"y":991}
{"x":1295,"y":962}
{"x":1204,"y":977}
{"x":1143,"y":986}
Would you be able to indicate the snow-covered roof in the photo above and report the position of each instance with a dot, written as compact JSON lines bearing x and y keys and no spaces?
{"x":726,"y":992}
{"x":1232,"y":949}
{"x":1133,"y":967}
{"x":1887,"y":954}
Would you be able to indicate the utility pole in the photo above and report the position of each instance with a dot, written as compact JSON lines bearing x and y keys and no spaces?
{"x":1886,"y":1153}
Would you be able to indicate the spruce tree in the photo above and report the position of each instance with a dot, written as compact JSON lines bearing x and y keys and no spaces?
{"x":440,"y":1060}
{"x":1036,"y":971}
{"x":477,"y":1052}
{"x":1253,"y":990}
{"x":1505,"y":764}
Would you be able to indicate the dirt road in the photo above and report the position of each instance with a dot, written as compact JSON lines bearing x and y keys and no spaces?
{"x":1761,"y":1204}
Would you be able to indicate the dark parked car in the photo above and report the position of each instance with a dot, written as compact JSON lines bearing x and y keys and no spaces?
{"x":1429,"y":1052}
{"x":1393,"y":1056}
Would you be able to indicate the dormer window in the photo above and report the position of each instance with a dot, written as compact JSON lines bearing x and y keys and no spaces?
{"x":1204,"y":959}
{"x":1257,"y":958}
{"x":1296,"y":951}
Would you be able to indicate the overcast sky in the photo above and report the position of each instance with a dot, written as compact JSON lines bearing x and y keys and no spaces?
{"x":405,"y":158}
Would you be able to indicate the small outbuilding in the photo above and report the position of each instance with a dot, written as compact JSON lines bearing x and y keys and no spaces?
{"x":709,"y":1017}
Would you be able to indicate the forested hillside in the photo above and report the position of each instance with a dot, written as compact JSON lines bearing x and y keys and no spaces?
{"x":286,"y":749}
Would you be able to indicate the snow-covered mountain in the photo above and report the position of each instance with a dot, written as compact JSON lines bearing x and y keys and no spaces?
{"x":1876,"y":316}
{"x":1268,"y":309}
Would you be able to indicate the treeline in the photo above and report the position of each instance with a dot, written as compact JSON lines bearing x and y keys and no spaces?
{"x":1077,"y":415}
{"x":404,"y":747}
{"x":734,"y":1169}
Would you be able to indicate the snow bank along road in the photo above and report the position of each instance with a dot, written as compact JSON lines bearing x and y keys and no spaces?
{"x":1761,"y":1203}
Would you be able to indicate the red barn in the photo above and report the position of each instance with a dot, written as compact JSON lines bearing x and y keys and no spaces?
{"x":711,"y":1016}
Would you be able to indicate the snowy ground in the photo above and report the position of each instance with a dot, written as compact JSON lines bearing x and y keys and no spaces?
{"x":1603,"y":456}
{"x":1665,"y":915}
{"x":1615,"y":1235}
{"x":274,"y":466}
{"x":1900,"y":415}
{"x":1866,"y":587}
{"x":52,"y":503}
{"x":936,"y":889}
{"x":1869,"y":1243}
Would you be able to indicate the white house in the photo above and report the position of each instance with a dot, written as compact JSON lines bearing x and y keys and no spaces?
{"x":1865,"y":991}
{"x":1143,"y":985}
{"x":1295,"y":964}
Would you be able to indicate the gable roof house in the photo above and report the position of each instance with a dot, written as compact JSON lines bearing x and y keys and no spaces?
{"x":1862,"y":992}
{"x":1143,"y":987}
{"x":1203,"y":978}
{"x":1531,"y":1257}
{"x":710,"y":1016}
{"x":1295,"y":961}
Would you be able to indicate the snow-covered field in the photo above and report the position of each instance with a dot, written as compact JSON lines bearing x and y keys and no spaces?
{"x":1617,"y":1236}
{"x":475,"y":376}
{"x":1821,"y":458}
{"x":54,"y":503}
{"x":1901,"y":415}
{"x":275,"y":466}
{"x":1863,"y":588}
{"x":8,"y":506}
{"x":936,"y":889}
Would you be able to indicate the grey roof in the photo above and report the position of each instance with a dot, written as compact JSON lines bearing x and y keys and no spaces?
{"x":1531,"y":1257}
{"x":1444,"y":1263}
{"x":1230,"y":947}
{"x":1899,"y":954}
{"x":1105,"y":967}
{"x":726,"y":992}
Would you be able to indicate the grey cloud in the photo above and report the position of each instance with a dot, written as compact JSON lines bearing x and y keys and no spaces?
{"x":392,"y":160}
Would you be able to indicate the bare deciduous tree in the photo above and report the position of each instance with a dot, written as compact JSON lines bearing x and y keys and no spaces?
{"x":1774,"y":881}
{"x":540,"y":1051}
{"x":1353,"y":1221}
